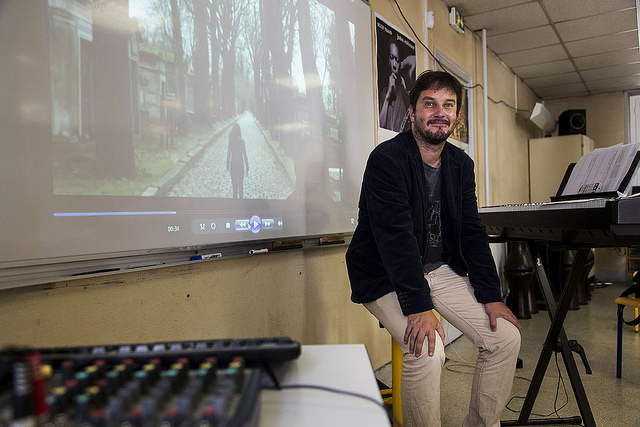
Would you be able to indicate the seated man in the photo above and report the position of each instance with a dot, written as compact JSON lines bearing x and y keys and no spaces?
{"x":420,"y":245}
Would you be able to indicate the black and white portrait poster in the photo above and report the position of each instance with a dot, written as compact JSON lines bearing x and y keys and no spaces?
{"x":461,"y":131}
{"x":396,"y":61}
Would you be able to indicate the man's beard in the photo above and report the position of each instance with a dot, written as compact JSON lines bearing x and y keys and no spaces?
{"x":435,"y":138}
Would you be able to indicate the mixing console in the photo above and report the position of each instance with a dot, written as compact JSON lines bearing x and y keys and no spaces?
{"x":178,"y":384}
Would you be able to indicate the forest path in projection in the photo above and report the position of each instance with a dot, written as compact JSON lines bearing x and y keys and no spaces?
{"x":208,"y":175}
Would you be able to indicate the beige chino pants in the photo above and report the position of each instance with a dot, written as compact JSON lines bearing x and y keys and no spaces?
{"x":454,"y":300}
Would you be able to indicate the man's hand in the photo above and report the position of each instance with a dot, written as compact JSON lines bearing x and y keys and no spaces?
{"x":392,"y":82}
{"x":498,"y":309}
{"x":420,"y":325}
{"x":391,"y":88}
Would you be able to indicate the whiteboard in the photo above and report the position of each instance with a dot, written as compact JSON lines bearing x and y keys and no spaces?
{"x":140,"y":127}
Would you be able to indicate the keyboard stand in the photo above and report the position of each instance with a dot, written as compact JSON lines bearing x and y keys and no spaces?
{"x":557,"y":341}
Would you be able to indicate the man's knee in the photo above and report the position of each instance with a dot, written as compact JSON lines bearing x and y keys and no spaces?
{"x":424,"y":360}
{"x":510,"y":337}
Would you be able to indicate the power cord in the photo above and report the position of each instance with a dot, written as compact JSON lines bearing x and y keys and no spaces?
{"x":393,"y":419}
{"x":556,"y":409}
{"x":277,"y":385}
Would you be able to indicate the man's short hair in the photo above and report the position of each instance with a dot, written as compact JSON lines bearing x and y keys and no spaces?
{"x":436,"y":80}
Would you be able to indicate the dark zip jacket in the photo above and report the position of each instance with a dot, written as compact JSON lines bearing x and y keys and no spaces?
{"x":390,"y":240}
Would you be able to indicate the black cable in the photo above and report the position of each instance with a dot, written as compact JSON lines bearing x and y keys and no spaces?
{"x":277,"y":385}
{"x":393,"y":419}
{"x":564,"y":388}
{"x":332,"y":390}
{"x":514,"y":109}
{"x":416,"y":36}
{"x":556,"y":410}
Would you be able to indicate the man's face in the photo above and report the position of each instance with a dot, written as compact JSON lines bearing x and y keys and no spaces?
{"x":394,"y":58}
{"x":435,"y":115}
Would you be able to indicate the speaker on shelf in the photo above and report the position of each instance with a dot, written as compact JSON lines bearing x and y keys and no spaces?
{"x":572,"y":122}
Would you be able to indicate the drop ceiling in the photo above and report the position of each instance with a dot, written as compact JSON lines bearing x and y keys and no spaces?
{"x":561,"y":48}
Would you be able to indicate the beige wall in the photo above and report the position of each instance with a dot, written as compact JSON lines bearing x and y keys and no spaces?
{"x":301,"y":294}
{"x":604,"y":113}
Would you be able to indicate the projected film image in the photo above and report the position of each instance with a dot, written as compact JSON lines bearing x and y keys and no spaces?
{"x":158,"y":126}
{"x":198,"y":98}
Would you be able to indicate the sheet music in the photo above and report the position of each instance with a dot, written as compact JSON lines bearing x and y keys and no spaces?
{"x":602,"y":170}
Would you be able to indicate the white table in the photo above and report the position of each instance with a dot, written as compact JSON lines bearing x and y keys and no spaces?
{"x":342,"y":367}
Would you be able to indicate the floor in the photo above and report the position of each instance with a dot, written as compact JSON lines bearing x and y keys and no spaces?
{"x":614,"y":402}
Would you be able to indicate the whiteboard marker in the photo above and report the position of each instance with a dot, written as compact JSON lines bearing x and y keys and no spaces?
{"x":207,"y":256}
{"x":259,"y":251}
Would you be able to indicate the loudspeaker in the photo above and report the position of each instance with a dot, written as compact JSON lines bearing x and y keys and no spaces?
{"x":572,"y":122}
{"x":543,"y":118}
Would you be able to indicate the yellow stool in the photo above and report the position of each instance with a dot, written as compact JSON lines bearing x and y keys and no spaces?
{"x":392,"y":395}
{"x":629,"y":298}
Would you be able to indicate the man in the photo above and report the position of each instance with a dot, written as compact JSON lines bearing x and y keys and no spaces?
{"x":420,"y":246}
{"x":394,"y":97}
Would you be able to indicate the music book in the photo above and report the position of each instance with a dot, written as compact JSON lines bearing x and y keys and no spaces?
{"x":605,"y":173}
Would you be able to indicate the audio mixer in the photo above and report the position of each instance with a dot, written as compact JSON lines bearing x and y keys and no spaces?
{"x":173,"y":384}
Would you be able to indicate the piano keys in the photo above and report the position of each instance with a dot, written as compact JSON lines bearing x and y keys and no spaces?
{"x":591,"y":222}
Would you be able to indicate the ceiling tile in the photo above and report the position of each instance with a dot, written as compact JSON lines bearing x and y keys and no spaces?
{"x":471,"y":7}
{"x":615,"y":84}
{"x":603,"y":44}
{"x":525,"y":39}
{"x":544,"y":69}
{"x":534,"y":56}
{"x":555,"y":80}
{"x":565,"y":10}
{"x":562,"y":91}
{"x":509,"y":19}
{"x":556,"y":46}
{"x":611,"y":72}
{"x":608,"y":58}
{"x":594,"y":26}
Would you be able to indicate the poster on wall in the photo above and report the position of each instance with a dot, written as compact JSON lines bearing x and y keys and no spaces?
{"x":396,"y":62}
{"x":461,"y":132}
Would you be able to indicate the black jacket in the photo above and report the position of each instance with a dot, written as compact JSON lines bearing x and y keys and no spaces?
{"x":390,"y":239}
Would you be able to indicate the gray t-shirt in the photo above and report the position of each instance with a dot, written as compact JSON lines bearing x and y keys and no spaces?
{"x":433,"y":256}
